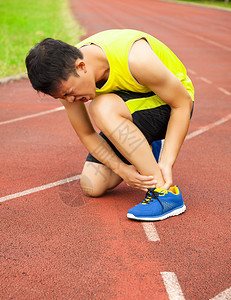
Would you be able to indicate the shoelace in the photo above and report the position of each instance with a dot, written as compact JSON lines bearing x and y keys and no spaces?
{"x":150,"y":196}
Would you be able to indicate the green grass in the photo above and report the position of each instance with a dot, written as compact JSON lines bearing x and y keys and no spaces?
{"x":26,"y":22}
{"x":215,"y":3}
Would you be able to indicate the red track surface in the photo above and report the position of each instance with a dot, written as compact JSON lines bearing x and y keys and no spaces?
{"x":59,"y":244}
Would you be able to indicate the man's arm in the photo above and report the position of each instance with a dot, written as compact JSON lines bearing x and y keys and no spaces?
{"x":94,"y":143}
{"x":100,"y":149}
{"x":149,"y":71}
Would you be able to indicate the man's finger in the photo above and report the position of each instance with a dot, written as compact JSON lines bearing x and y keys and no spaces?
{"x":145,"y":178}
{"x":166,"y":186}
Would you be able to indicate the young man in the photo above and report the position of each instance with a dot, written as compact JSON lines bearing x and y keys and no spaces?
{"x":139,"y":93}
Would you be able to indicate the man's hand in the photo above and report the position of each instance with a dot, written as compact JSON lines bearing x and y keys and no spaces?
{"x":136,"y":180}
{"x":167,"y":175}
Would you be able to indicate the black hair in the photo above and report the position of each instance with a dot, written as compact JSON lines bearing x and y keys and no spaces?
{"x":49,"y":62}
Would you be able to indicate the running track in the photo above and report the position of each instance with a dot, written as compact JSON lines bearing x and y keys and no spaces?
{"x":58,"y":244}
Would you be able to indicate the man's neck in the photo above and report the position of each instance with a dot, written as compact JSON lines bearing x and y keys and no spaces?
{"x":96,"y":59}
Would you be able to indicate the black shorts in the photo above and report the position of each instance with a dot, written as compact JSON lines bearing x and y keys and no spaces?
{"x":152,"y":122}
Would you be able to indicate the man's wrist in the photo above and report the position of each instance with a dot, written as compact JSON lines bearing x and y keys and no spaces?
{"x":118,"y":167}
{"x":166,"y":163}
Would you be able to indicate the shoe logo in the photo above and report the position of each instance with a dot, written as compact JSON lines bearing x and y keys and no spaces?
{"x":163,"y":193}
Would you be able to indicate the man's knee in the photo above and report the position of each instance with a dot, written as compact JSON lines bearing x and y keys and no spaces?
{"x":100,"y":107}
{"x":91,"y":189}
{"x":106,"y":106}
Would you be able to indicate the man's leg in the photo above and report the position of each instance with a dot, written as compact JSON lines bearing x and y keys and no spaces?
{"x":113,"y":117}
{"x":97,"y":178}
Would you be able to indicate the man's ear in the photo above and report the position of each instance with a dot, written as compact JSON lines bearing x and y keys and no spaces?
{"x":80,"y":66}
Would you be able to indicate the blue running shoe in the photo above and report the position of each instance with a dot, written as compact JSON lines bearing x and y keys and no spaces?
{"x":158,"y":205}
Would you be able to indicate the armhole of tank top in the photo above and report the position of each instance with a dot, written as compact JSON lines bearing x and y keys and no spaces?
{"x":140,"y":38}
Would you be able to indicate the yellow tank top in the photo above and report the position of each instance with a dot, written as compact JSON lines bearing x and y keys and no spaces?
{"x":116,"y":44}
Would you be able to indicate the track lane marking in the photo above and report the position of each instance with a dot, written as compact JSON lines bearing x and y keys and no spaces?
{"x":149,"y":228}
{"x":172,"y":286}
{"x":207,"y":40}
{"x":39,"y":188}
{"x":191,"y":71}
{"x":32,"y":116}
{"x":63,"y":181}
{"x":151,"y":232}
{"x":225,"y":295}
{"x":146,"y":11}
{"x":205,"y":80}
{"x":208,"y":127}
{"x":224,"y":91}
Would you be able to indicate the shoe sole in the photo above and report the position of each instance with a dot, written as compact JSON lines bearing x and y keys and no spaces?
{"x":172,"y":213}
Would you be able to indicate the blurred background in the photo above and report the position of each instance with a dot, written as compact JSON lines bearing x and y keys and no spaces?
{"x":24,"y":23}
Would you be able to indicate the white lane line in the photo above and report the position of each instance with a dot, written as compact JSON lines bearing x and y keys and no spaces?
{"x":225,"y":295}
{"x":172,"y":286}
{"x":183,"y":31}
{"x":206,"y":80}
{"x":151,"y":232}
{"x":224,"y":91}
{"x":208,"y":127}
{"x":33,"y":115}
{"x":191,"y":71}
{"x":149,"y":228}
{"x":207,"y":40}
{"x":43,"y":187}
{"x":39,"y":188}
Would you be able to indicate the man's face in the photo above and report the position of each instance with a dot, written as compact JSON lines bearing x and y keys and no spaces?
{"x":75,"y":88}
